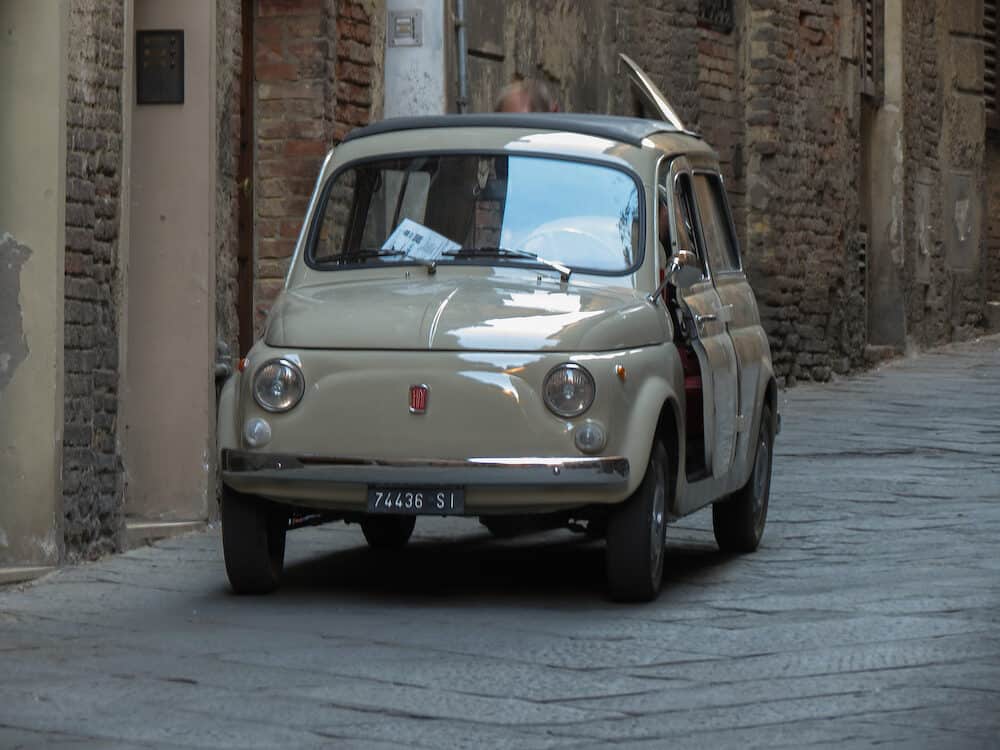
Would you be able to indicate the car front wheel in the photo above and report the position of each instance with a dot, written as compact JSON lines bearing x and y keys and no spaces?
{"x":253,"y":542}
{"x":636,"y":535}
{"x":738,"y":521}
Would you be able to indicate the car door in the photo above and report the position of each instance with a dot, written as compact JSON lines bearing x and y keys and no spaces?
{"x":708,"y":333}
{"x":707,"y":330}
{"x":749,"y":338}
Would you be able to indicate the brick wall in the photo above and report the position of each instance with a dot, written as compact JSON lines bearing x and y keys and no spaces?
{"x":92,"y":486}
{"x":993,"y":214}
{"x":229,"y":60}
{"x":927,"y":299}
{"x":946,"y":286}
{"x":769,"y":97}
{"x":801,"y":188}
{"x":662,"y":36}
{"x":316,"y":67}
{"x":720,"y":111}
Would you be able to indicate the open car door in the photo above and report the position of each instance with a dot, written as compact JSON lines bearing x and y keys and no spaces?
{"x":652,"y":98}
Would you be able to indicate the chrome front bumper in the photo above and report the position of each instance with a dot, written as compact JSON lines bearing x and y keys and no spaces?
{"x":542,"y":473}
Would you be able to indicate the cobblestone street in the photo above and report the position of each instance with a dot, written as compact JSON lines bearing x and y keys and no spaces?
{"x":871,"y":614}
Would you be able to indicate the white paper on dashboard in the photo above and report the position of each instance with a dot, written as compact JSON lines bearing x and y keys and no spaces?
{"x":419,"y":242}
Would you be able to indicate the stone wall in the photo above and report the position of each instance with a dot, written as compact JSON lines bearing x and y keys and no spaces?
{"x":720,"y":109}
{"x":946,"y":266}
{"x":801,"y":184}
{"x":662,"y":36}
{"x":962,"y":152}
{"x":993,"y":227}
{"x":927,"y":298}
{"x":92,"y":467}
{"x":317,"y":66}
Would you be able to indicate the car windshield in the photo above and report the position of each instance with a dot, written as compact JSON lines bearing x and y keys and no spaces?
{"x":479,"y":208}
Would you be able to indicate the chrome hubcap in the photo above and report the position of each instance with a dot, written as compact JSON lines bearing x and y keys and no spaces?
{"x":656,"y":527}
{"x":760,"y":480}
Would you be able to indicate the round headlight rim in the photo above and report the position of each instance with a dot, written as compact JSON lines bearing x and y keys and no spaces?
{"x":569,"y":366}
{"x":292,"y":366}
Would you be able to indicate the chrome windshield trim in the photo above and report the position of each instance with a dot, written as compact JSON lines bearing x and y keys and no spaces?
{"x":483,"y":472}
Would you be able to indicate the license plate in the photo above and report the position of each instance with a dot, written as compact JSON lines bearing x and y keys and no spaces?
{"x":417,"y":501}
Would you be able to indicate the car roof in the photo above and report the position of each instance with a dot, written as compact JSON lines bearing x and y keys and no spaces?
{"x":630,"y":130}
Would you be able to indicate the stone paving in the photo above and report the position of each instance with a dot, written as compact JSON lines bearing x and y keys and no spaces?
{"x":871,"y":614}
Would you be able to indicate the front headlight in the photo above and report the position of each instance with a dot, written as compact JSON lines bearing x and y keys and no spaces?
{"x":569,"y":390}
{"x":278,"y":385}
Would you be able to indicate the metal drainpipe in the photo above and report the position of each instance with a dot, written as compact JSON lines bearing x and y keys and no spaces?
{"x":463,"y":74}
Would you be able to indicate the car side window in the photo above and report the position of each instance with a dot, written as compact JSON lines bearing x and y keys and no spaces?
{"x":716,"y":227}
{"x":684,"y":217}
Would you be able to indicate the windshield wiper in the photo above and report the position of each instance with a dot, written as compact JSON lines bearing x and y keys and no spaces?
{"x":372,"y":253}
{"x":490,"y":251}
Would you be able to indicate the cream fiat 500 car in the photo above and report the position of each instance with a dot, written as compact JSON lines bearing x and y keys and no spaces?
{"x":536,"y":320}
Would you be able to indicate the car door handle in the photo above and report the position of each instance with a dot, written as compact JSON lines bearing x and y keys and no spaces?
{"x":707,"y":318}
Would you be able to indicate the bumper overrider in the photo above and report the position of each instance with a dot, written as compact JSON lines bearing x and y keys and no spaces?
{"x":606,"y":472}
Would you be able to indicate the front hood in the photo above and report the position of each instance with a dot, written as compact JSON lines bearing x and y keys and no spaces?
{"x":486,"y":314}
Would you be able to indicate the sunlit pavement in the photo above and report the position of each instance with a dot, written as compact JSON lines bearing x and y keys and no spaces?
{"x":871,"y":614}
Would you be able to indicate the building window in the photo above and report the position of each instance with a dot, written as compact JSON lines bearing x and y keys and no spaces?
{"x":991,"y":34}
{"x":716,"y":14}
{"x":872,"y":15}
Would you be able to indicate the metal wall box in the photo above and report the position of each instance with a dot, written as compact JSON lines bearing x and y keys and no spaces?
{"x":406,"y":28}
{"x":159,"y":67}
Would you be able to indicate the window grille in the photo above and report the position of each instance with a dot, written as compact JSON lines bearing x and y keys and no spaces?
{"x":872,"y":14}
{"x":991,"y":33}
{"x":716,"y":14}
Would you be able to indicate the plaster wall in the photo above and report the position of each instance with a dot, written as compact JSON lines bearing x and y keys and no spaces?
{"x":886,"y":321}
{"x":32,"y":219}
{"x":169,"y":394}
{"x":415,"y":75}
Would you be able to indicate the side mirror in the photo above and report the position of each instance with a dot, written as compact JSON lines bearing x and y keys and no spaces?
{"x":684,"y":269}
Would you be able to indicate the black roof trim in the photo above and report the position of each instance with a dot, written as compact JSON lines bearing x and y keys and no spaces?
{"x":629,"y":130}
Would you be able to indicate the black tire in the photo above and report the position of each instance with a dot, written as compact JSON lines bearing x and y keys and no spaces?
{"x":253,"y":542}
{"x":637,"y":533}
{"x":738,"y":521}
{"x":388,"y":532}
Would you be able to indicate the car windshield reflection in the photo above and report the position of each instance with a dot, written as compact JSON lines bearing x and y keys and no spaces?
{"x":480,"y":208}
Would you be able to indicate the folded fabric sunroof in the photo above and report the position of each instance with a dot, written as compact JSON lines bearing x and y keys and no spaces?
{"x":629,"y":130}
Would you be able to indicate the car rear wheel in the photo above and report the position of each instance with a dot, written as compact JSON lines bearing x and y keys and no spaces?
{"x":739,"y":520}
{"x":388,"y":532}
{"x":253,"y":542}
{"x":636,"y":535}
